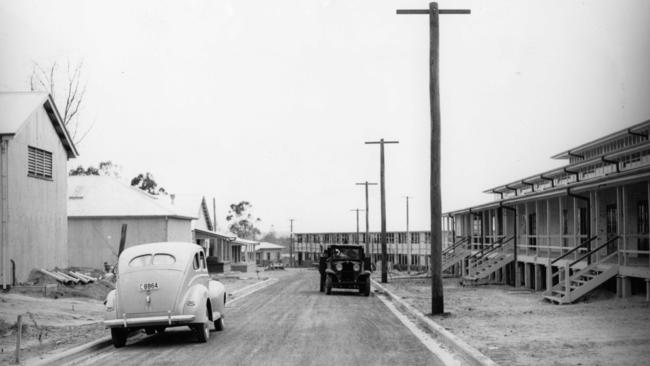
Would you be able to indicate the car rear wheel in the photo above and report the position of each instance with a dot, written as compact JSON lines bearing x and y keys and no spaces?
{"x":118,"y":335}
{"x":202,"y":331}
{"x":328,"y":285}
{"x":219,"y":324}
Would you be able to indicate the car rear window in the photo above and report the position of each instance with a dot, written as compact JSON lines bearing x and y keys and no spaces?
{"x":140,"y":261}
{"x":163,"y":259}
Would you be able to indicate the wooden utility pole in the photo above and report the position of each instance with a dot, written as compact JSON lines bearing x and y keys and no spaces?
{"x":382,"y":188}
{"x":356,"y":239}
{"x":437,"y":303}
{"x":291,"y":244}
{"x":408,"y":237}
{"x":367,"y":241}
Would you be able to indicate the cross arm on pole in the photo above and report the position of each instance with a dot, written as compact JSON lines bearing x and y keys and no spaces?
{"x":381,"y":142}
{"x":366,"y":183}
{"x":426,"y":11}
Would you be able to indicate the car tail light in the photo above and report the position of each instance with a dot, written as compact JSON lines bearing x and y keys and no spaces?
{"x":190,"y":303}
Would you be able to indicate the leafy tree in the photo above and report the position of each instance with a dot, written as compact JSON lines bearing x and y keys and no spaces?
{"x":147,"y":183}
{"x":241,"y":220}
{"x":105,"y":168}
{"x":272,"y":237}
{"x":109,"y":169}
{"x":91,"y":170}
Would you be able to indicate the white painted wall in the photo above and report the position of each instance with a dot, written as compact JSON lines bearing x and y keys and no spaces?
{"x":93,"y":241}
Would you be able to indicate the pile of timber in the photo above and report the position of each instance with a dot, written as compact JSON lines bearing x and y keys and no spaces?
{"x":69,"y":277}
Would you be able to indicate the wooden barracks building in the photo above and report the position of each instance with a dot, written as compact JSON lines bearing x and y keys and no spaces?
{"x":565,"y":232}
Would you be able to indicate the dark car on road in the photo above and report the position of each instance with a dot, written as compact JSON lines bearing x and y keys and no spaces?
{"x":344,"y":266}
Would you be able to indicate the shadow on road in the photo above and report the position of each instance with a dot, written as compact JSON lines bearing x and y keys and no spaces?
{"x":171,"y":337}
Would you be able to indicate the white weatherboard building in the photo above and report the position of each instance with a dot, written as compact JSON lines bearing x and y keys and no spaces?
{"x":34,"y":149}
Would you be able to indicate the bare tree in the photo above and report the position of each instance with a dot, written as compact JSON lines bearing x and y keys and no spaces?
{"x":68,"y":91}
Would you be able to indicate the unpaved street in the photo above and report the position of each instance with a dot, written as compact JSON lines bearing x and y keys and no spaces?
{"x":287,"y":323}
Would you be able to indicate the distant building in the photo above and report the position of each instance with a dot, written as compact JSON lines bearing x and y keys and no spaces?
{"x":97,"y":208}
{"x":267,"y":253}
{"x":233,"y":253}
{"x":309,"y":246}
{"x":34,"y":149}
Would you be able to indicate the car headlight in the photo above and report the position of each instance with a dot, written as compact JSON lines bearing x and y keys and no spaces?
{"x":356,"y":267}
{"x":339,"y":266}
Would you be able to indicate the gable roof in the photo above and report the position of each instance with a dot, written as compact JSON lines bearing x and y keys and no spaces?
{"x":268,"y":246}
{"x":637,"y":128}
{"x":16,"y":107}
{"x":190,"y":205}
{"x":102,"y":196}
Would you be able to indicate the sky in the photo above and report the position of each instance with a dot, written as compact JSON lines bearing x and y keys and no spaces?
{"x":271,"y":102}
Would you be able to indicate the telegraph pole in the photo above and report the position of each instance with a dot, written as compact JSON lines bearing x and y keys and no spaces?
{"x":408,"y":236}
{"x":291,"y":244}
{"x":382,"y":188}
{"x":437,"y":303}
{"x":356,"y":239}
{"x":367,"y":241}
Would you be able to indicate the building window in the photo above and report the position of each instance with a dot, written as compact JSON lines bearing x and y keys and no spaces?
{"x":39,"y":163}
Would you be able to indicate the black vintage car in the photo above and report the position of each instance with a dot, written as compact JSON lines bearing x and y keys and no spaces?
{"x":344,"y":266}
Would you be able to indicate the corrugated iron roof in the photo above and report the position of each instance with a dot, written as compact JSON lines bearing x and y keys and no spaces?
{"x":102,"y":196}
{"x":268,"y":246}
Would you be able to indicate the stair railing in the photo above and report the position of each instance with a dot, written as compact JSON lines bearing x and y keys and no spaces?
{"x":566,"y":270}
{"x":550,"y":276}
{"x":576,"y":248}
{"x":594,"y":251}
{"x":454,"y":246}
{"x":478,"y":258}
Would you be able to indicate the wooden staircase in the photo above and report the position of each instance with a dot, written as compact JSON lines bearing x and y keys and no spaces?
{"x":483,"y":264}
{"x":574,"y":284}
{"x":455,"y":254}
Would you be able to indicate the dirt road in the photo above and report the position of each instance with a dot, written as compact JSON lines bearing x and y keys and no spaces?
{"x":287,"y":323}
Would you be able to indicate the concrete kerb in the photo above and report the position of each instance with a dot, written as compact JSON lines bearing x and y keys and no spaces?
{"x":107,"y":341}
{"x":467,"y":352}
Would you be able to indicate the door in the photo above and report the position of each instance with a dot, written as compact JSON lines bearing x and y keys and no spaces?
{"x":532,"y":231}
{"x":642,"y":227}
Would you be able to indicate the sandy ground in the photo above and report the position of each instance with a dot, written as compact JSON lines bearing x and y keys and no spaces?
{"x":515,"y":327}
{"x":53,"y":324}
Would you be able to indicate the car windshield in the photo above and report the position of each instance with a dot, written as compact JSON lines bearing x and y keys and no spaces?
{"x":346,"y":253}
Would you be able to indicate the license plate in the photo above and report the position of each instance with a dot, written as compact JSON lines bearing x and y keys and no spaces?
{"x":149,"y":286}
